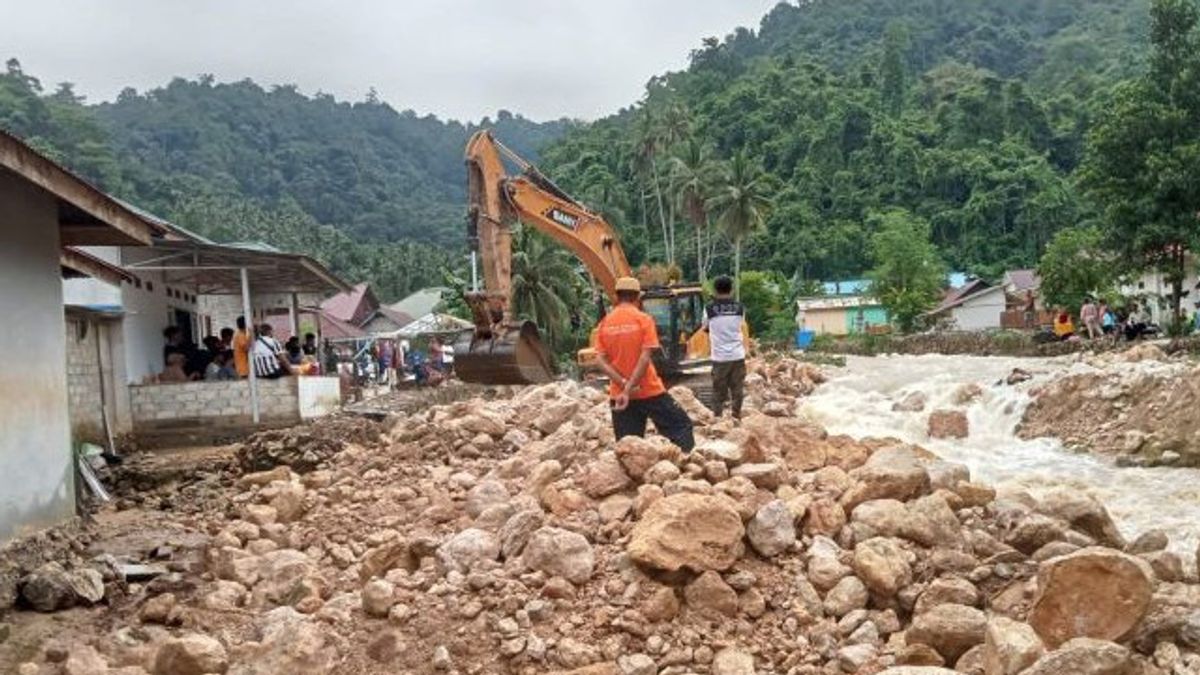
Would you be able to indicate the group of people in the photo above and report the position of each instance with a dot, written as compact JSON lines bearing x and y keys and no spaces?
{"x":232,"y":354}
{"x":1097,"y":319}
{"x":626,"y":340}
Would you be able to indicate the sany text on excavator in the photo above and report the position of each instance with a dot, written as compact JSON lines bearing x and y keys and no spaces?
{"x":503,"y":350}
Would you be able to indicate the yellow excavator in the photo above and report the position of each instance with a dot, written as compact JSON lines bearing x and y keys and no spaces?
{"x":500,"y":349}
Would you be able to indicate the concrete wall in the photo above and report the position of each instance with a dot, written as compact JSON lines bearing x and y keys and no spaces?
{"x":94,"y":355}
{"x":84,"y":392}
{"x":159,"y":407}
{"x":35,"y":441}
{"x":981,"y":311}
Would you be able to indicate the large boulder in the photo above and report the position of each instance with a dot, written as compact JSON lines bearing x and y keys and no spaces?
{"x":697,"y":532}
{"x":191,"y":654}
{"x":883,"y":565}
{"x":709,"y":593}
{"x":485,"y":494}
{"x":51,"y":587}
{"x":732,"y":661}
{"x":1084,"y":656}
{"x":772,"y":530}
{"x":561,"y":553}
{"x":462,"y":552}
{"x":950,"y":629}
{"x":948,"y":424}
{"x":603,"y":476}
{"x":1010,"y":647}
{"x":890,"y":473}
{"x":1084,"y":513}
{"x":637,"y":454}
{"x":291,"y":643}
{"x":1096,"y":593}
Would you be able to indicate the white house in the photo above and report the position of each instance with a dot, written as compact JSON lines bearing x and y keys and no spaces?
{"x":976,"y":306}
{"x":44,"y":211}
{"x":1153,"y":290}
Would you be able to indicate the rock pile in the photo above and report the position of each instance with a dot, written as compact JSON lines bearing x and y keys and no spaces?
{"x":1136,"y":405}
{"x":516,"y":536}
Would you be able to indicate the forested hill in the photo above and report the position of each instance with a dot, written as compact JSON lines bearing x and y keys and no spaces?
{"x":376,"y":173}
{"x":969,"y":115}
{"x":378,"y":195}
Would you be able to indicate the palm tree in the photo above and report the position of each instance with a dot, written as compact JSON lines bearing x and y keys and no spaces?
{"x":543,"y":282}
{"x":691,"y":182}
{"x":647,"y":146}
{"x":741,"y":202}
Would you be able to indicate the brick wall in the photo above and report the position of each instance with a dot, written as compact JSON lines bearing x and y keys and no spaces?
{"x":157,"y":407}
{"x":83,"y":381}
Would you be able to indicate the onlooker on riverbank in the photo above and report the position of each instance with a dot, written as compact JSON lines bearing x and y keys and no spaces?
{"x":1064,"y":328}
{"x":1089,"y":317}
{"x":1135,"y":325}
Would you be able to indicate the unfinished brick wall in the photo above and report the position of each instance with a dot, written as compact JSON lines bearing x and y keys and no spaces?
{"x":226,"y":404}
{"x":84,"y":399}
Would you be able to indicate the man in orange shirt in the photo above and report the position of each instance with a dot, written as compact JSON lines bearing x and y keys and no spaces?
{"x":626,"y":339}
{"x":241,"y":348}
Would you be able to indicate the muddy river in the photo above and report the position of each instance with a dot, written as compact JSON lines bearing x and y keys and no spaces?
{"x":858,"y":401}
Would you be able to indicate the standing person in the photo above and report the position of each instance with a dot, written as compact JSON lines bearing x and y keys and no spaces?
{"x":226,"y":339}
{"x":310,"y":345}
{"x":242,"y":341}
{"x":1089,"y":318}
{"x":723,"y":320}
{"x":626,"y":340}
{"x":1030,"y":309}
{"x":270,"y":361}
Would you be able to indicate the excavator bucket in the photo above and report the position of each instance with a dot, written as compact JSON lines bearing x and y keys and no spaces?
{"x":515,"y":356}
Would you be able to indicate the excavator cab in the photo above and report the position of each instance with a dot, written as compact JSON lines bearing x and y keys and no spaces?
{"x":678,"y":313}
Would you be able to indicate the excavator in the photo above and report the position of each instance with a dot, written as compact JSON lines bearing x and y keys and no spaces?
{"x":500,"y":349}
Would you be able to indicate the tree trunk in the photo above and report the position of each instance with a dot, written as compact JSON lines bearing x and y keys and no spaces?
{"x":662,"y":215}
{"x":1177,"y":285}
{"x":737,"y":268}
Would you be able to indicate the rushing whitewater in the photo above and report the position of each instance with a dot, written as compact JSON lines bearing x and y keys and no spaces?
{"x":858,"y":401}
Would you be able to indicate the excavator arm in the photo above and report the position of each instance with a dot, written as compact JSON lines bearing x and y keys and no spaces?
{"x":499,"y":349}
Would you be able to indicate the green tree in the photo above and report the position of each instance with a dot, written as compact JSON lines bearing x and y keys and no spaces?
{"x":1143,"y":157}
{"x":908,"y":273}
{"x":692,"y":172}
{"x":544,"y":284}
{"x":1075,"y":265}
{"x":742,"y":201}
{"x":892,"y":68}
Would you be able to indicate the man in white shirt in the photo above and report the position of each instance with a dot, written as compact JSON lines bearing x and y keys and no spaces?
{"x":723,"y":320}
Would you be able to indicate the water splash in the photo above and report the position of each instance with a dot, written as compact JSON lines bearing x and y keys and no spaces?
{"x":858,"y":399}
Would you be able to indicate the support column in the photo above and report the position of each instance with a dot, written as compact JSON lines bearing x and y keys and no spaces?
{"x":294,"y":315}
{"x":250,"y":356}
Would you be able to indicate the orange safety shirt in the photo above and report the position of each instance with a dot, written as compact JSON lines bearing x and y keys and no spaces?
{"x":241,"y":353}
{"x":621,"y":338}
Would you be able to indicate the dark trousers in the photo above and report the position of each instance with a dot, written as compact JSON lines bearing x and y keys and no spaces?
{"x":670,"y":420}
{"x":729,"y":379}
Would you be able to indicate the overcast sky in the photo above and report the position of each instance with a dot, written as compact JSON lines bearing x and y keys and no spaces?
{"x":455,"y":58}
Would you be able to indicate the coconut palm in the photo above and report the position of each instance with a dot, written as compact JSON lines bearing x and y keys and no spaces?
{"x":692,"y":173}
{"x":741,"y":201}
{"x":543,"y":282}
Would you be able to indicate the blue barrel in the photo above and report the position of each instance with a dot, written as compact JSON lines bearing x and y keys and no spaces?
{"x":804,"y":338}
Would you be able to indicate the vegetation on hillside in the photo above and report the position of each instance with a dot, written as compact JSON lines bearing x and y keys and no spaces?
{"x":374,"y":193}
